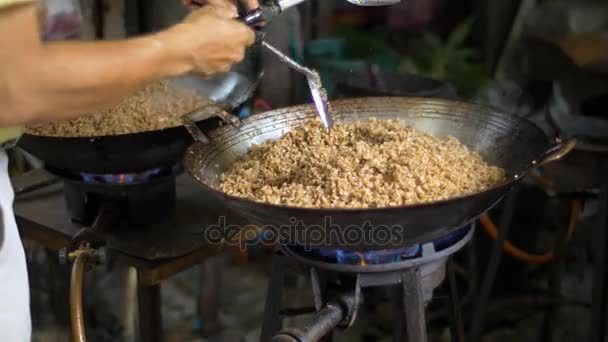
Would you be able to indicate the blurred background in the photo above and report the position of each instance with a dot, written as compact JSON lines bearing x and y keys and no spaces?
{"x":543,"y":60}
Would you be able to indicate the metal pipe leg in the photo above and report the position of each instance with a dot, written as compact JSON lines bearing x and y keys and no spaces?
{"x":210,"y":295}
{"x":150,"y":317}
{"x":130,"y":305}
{"x":414,"y":306}
{"x":599,"y":307}
{"x":399,"y":316}
{"x":329,"y":337}
{"x":457,"y":324}
{"x":274,"y":299}
{"x":490,"y":274}
{"x":60,"y":289}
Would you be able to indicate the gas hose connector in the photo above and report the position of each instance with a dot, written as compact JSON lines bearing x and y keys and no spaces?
{"x":94,"y":256}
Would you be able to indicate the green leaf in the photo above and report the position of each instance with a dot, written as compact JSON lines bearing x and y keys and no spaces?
{"x":431,"y":40}
{"x":408,"y":66}
{"x":460,"y":33}
{"x":464,"y":56}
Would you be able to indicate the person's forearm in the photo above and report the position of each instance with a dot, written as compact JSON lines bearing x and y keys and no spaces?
{"x":43,"y":81}
{"x":63,"y":79}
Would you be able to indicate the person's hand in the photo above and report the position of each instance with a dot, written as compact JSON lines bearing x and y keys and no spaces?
{"x":212,"y":39}
{"x":250,"y":4}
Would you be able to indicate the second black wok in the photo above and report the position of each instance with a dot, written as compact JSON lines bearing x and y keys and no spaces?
{"x":504,"y":140}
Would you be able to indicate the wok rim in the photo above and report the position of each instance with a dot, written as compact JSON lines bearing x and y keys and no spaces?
{"x":500,"y":187}
{"x":93,"y":139}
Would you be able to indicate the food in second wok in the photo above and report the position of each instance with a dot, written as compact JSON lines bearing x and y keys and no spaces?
{"x":367,"y":164}
{"x":158,"y":106}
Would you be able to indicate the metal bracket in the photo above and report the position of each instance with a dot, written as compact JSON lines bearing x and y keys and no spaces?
{"x":316,"y":288}
{"x":204,"y":113}
{"x":414,"y":306}
{"x":94,"y":256}
{"x":273,"y":321}
{"x":90,"y":241}
{"x":351,"y":317}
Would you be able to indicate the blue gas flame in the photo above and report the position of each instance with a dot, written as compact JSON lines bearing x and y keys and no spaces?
{"x":124,"y":178}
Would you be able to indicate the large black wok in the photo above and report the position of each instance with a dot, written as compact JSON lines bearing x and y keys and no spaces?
{"x":505,"y":140}
{"x":119,"y":154}
{"x":135,"y":152}
{"x":126,"y":153}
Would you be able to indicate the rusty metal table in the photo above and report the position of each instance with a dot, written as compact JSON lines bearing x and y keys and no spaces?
{"x":157,"y":254}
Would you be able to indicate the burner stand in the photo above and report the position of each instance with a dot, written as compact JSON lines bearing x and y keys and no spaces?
{"x":413,"y":282}
{"x":140,"y":205}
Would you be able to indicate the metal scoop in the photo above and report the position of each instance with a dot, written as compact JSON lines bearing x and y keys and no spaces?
{"x":319,"y":95}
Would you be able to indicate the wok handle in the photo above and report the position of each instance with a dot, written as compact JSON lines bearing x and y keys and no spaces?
{"x":556,"y":152}
{"x":203,"y":113}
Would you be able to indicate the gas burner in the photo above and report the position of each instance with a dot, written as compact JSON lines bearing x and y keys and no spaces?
{"x":119,"y":180}
{"x":140,"y":204}
{"x":345,"y":257}
{"x":339,"y":277}
{"x":381,"y":260}
{"x":142,"y":198}
{"x":125,"y":178}
{"x":377,"y":257}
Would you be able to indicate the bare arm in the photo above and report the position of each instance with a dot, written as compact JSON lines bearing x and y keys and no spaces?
{"x":250,"y":4}
{"x":45,"y":81}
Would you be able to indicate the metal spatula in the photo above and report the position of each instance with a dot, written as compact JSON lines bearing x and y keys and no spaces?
{"x":319,"y":94}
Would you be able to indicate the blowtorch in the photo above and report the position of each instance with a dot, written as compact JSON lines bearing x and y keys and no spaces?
{"x":275,"y":7}
{"x":271,"y":9}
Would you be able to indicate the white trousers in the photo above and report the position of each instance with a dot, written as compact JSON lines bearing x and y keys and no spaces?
{"x":15,"y":323}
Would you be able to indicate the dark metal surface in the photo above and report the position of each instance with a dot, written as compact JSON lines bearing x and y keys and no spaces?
{"x":505,"y":140}
{"x":414,"y":305}
{"x":32,"y":181}
{"x":107,"y":216}
{"x":136,"y":205}
{"x":482,"y":300}
{"x":273,"y":321}
{"x":119,"y":154}
{"x":150,"y":316}
{"x":599,"y":308}
{"x":324,"y":322}
{"x":398,"y":313}
{"x":209,"y":295}
{"x":456,"y":320}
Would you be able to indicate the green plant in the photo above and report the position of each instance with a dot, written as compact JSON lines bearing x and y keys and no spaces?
{"x":450,"y":60}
